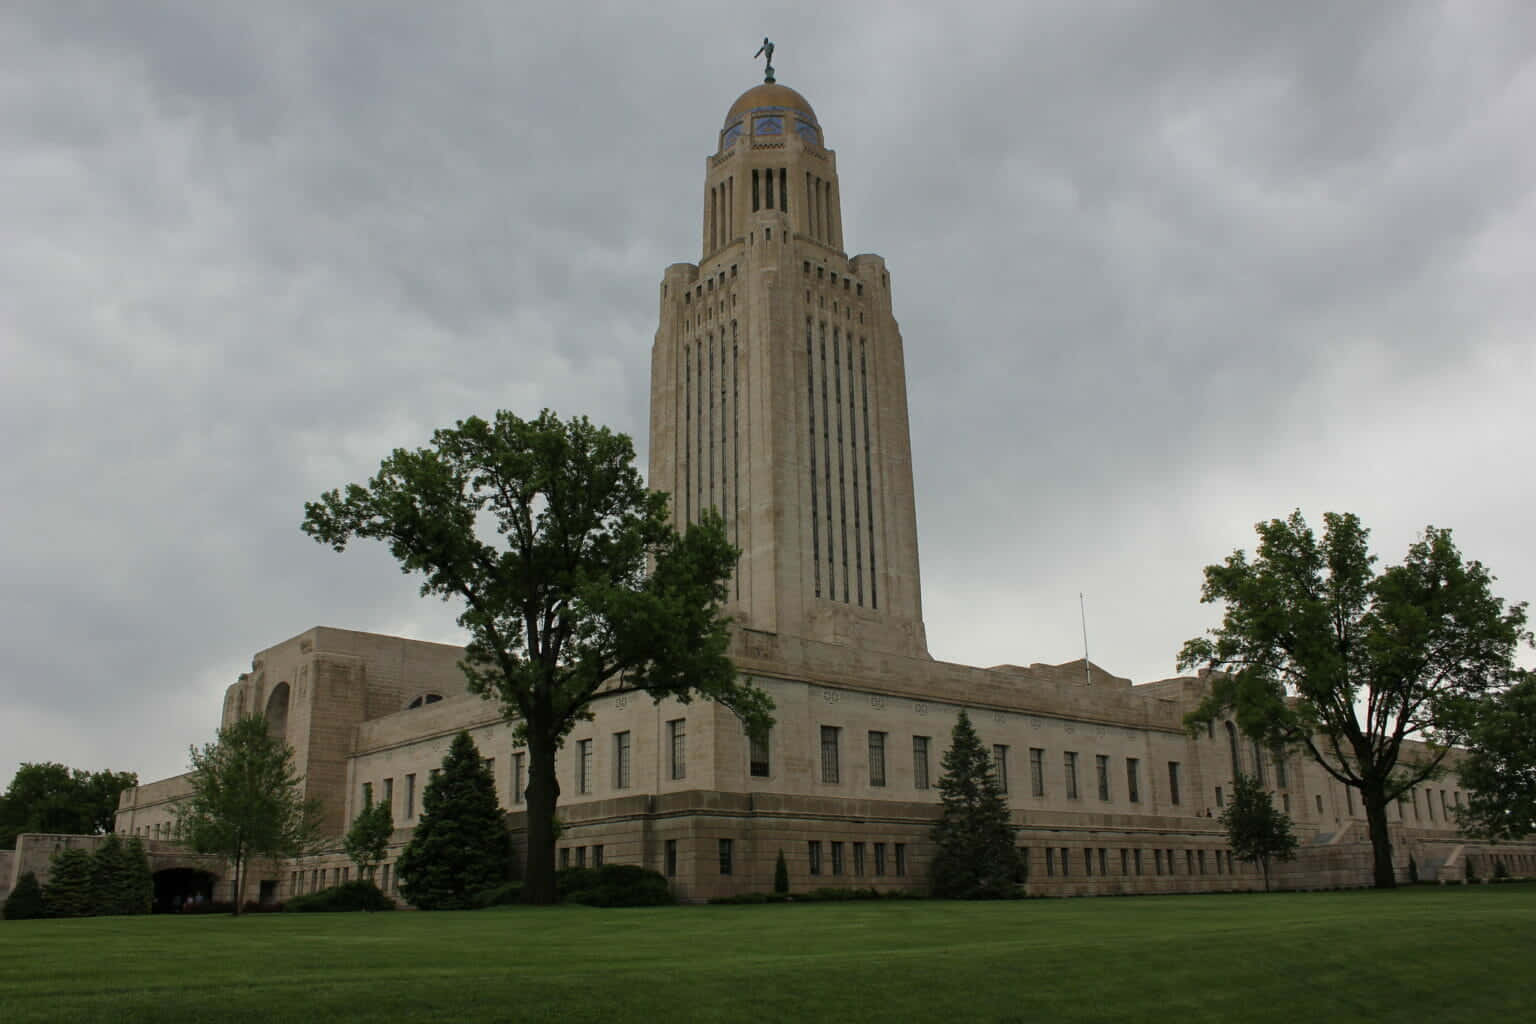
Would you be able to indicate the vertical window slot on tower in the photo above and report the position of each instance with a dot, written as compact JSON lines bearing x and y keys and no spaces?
{"x":687,"y":440}
{"x":826,"y":442}
{"x":853,"y":442}
{"x":736,"y":447}
{"x":869,"y":476}
{"x":754,"y":191}
{"x":710,"y":423}
{"x":783,"y":190}
{"x":842,"y":475}
{"x":810,"y":401}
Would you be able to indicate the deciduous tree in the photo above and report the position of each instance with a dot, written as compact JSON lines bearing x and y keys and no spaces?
{"x":52,"y":798}
{"x":1257,"y":832}
{"x":1500,"y":769}
{"x":1318,"y":651}
{"x":974,"y":856}
{"x":367,"y":841}
{"x":460,"y":847}
{"x":577,"y":580}
{"x":247,"y":800}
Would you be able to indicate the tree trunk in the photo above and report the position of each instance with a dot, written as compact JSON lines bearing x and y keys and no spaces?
{"x":1375,"y":799}
{"x":543,"y":793}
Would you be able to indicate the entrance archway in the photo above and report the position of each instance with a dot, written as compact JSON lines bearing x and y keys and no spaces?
{"x":176,"y":887}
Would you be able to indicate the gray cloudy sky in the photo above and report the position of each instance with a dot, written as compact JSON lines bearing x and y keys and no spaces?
{"x":1162,"y":269}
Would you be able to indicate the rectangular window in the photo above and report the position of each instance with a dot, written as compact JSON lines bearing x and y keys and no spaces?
{"x":581,"y":856}
{"x":384,"y":876}
{"x":1219,"y":800}
{"x":1170,"y":862}
{"x":621,"y":760}
{"x":679,"y":753}
{"x":597,"y":855}
{"x":1202,"y":862}
{"x":920,"y":762}
{"x":725,"y":856}
{"x":1173,"y":782}
{"x":671,"y":858}
{"x":1189,"y":862}
{"x":1000,"y":765}
{"x":1103,"y":861}
{"x":1282,"y":775}
{"x":1021,"y":873}
{"x":490,"y":767}
{"x":583,"y":766}
{"x":1066,"y":864}
{"x":1133,"y":779}
{"x":1088,"y":862}
{"x":901,"y":859}
{"x":858,"y":860}
{"x":1036,"y":771}
{"x":879,"y":858}
{"x":517,"y":779}
{"x":1445,"y":810}
{"x":1125,"y":861}
{"x":565,"y":856}
{"x":367,"y":795}
{"x":389,"y":795}
{"x":1050,"y":862}
{"x":1136,"y":857}
{"x":757,"y":756}
{"x":829,"y":766}
{"x":1285,"y":805}
{"x":837,"y":858}
{"x":1069,"y":765}
{"x":1101,"y":761}
{"x":813,"y":855}
{"x":1157,"y":857}
{"x":877,"y":758}
{"x":1349,"y":800}
{"x":410,"y":795}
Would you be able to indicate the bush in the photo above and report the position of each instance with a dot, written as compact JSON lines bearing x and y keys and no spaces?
{"x":26,"y":900}
{"x":500,"y":896}
{"x":613,"y":885}
{"x":343,"y":898}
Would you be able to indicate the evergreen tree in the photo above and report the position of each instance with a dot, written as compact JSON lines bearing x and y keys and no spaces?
{"x":69,"y":884}
{"x":368,"y":838}
{"x":1256,"y":831}
{"x":975,"y":857}
{"x":781,"y":875}
{"x":26,"y":900}
{"x":121,"y":882}
{"x":461,"y":847}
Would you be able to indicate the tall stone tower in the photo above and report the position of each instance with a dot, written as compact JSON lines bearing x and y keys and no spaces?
{"x":778,"y":392}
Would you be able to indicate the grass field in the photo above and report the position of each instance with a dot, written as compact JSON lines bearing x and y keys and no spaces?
{"x":1426,"y":954}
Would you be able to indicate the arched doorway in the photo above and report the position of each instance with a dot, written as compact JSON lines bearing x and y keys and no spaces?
{"x":277,"y":712}
{"x":176,"y":887}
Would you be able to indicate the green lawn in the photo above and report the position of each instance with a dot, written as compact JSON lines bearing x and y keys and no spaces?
{"x":1426,"y":954}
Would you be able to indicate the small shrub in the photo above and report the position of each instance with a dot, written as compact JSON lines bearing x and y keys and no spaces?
{"x":26,"y":900}
{"x":613,"y":885}
{"x":344,"y":898}
{"x":500,"y":896}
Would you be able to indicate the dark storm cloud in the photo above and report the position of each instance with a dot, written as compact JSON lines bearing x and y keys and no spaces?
{"x":1162,"y":270}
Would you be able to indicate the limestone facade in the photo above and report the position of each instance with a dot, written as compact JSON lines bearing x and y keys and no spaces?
{"x":778,"y":398}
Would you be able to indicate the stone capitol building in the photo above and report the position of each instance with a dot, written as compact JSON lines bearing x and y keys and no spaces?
{"x":778,"y":397}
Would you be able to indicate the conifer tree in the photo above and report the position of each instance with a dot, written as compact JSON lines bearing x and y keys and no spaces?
{"x":975,"y":857}
{"x":26,"y":900}
{"x":1257,"y":832}
{"x":121,"y":882}
{"x":461,"y":847}
{"x":68,"y":891}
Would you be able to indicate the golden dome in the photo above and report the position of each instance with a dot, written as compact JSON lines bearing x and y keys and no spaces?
{"x":770,"y":95}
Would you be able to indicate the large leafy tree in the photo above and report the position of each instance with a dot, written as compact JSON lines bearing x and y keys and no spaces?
{"x":460,"y":846}
{"x":367,"y":841}
{"x":247,"y":800}
{"x":974,"y":856}
{"x":1500,"y":768}
{"x":1257,"y":832}
{"x":52,"y":798}
{"x":1318,"y":651}
{"x":569,"y":573}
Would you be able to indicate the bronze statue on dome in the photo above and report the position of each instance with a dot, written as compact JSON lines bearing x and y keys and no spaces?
{"x":766,"y":50}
